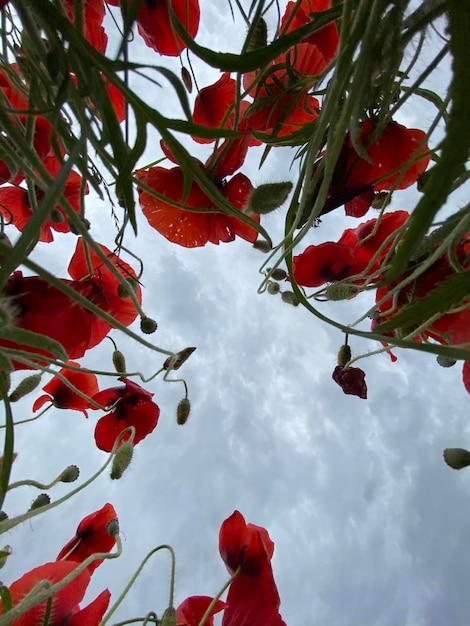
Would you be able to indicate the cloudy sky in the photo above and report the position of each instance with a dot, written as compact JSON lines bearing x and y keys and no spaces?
{"x":369,"y":524}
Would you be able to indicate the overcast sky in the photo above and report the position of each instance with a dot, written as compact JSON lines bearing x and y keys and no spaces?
{"x":369,"y":524}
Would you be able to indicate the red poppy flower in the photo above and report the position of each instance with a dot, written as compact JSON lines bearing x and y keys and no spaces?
{"x":64,"y":609}
{"x":253,"y":599}
{"x":134,"y":408}
{"x":193,"y":228}
{"x":15,"y":204}
{"x":94,"y":11}
{"x":281,"y":114}
{"x":191,"y":611}
{"x":326,"y":263}
{"x":62,"y":397}
{"x":99,"y":285}
{"x":33,"y":300}
{"x":92,"y":536}
{"x":351,"y":380}
{"x":213,"y":103}
{"x":155,"y":24}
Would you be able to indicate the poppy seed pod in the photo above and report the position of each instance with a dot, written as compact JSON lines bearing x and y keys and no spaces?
{"x":42,"y":500}
{"x":148,"y":325}
{"x":457,"y":458}
{"x":445,"y":361}
{"x":182,"y":411}
{"x":70,"y":474}
{"x":27,"y":385}
{"x":122,"y":460}
{"x":267,"y":198}
{"x":344,"y":355}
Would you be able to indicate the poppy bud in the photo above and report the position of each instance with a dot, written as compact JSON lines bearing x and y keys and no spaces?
{"x":273,"y":288}
{"x":278,"y":274}
{"x":121,"y":460}
{"x":119,"y":362}
{"x":148,"y":325}
{"x":289,"y":297}
{"x":186,"y":78}
{"x":344,"y":355}
{"x":259,"y":37}
{"x":457,"y":458}
{"x":4,"y":554}
{"x":381,"y":199}
{"x":27,"y":385}
{"x":182,"y":411}
{"x":267,"y":198}
{"x":340,"y":291}
{"x":262,"y":245}
{"x":42,"y":500}
{"x":56,"y":216}
{"x":70,"y":474}
{"x":169,"y":617}
{"x":3,"y":516}
{"x":445,"y":361}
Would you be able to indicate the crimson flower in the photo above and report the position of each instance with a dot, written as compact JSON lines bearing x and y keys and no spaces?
{"x":191,"y":611}
{"x":351,"y":380}
{"x":92,"y":536}
{"x":155,"y":24}
{"x":94,"y":11}
{"x":133,"y":407}
{"x":62,"y":397}
{"x":253,"y":599}
{"x":64,"y":608}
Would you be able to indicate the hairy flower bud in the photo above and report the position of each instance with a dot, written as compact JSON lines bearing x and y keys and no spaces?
{"x":169,"y":617}
{"x":457,"y":458}
{"x":259,"y":38}
{"x":148,"y":325}
{"x":289,"y":297}
{"x":267,"y":198}
{"x":278,"y":273}
{"x":122,"y":460}
{"x":344,"y":355}
{"x":340,"y":291}
{"x":70,"y":474}
{"x":445,"y":361}
{"x":4,"y":554}
{"x":42,"y":500}
{"x":273,"y":288}
{"x":119,"y":362}
{"x":262,"y":245}
{"x":56,"y":216}
{"x":27,"y":385}
{"x":182,"y":411}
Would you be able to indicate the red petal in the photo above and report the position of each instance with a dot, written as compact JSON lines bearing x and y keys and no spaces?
{"x":92,"y":614}
{"x":191,"y":611}
{"x":212,"y":104}
{"x":244,"y":544}
{"x":351,"y":380}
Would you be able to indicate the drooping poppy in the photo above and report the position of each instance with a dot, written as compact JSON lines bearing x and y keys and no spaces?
{"x":191,"y":611}
{"x":64,"y":608}
{"x":92,"y":536}
{"x":133,"y":407}
{"x":99,"y":284}
{"x":63,"y":397}
{"x":212,"y":105}
{"x":253,"y":599}
{"x":351,"y":380}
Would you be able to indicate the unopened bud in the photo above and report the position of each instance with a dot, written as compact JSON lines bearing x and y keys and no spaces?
{"x":262,"y":245}
{"x":148,"y":325}
{"x":445,"y":361}
{"x":259,"y":38}
{"x":70,"y":474}
{"x":122,"y":460}
{"x":278,"y":274}
{"x":181,"y":357}
{"x":381,"y":199}
{"x":340,"y":291}
{"x":344,"y":355}
{"x":273,"y":288}
{"x":119,"y":362}
{"x":267,"y":198}
{"x":457,"y":458}
{"x":27,"y":385}
{"x":289,"y":297}
{"x":182,"y":411}
{"x":42,"y":500}
{"x":169,"y":617}
{"x":186,"y":78}
{"x":4,"y":554}
{"x":56,"y":216}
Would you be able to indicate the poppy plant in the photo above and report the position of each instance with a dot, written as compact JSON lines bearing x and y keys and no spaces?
{"x":63,"y":397}
{"x":92,"y":536}
{"x":192,"y":610}
{"x":64,"y":607}
{"x":253,"y":599}
{"x":133,"y":406}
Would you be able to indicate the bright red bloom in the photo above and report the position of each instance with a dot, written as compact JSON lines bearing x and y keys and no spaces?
{"x":327,"y":262}
{"x":282,"y":114}
{"x":193,"y":228}
{"x":191,"y":611}
{"x":15,"y":205}
{"x":92,"y":536}
{"x":94,"y":11}
{"x":351,"y":380}
{"x":62,"y":397}
{"x":155,"y":24}
{"x":253,"y":599}
{"x":213,"y":103}
{"x":134,"y":408}
{"x":64,"y":610}
{"x":99,"y":285}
